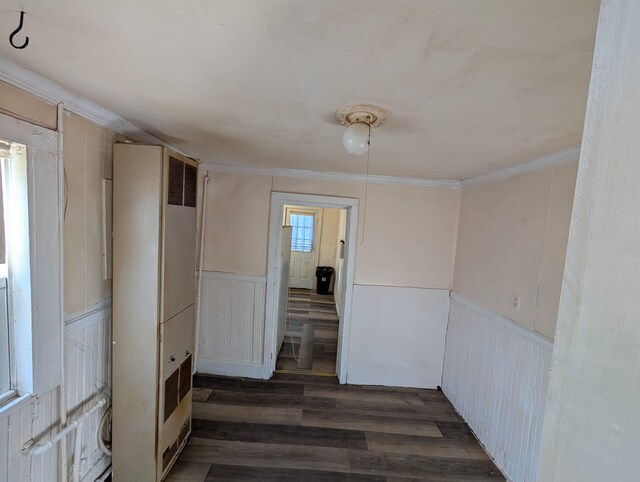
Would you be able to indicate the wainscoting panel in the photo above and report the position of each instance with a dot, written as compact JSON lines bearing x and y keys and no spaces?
{"x":496,"y":375}
{"x":397,"y":336}
{"x":231,"y":324}
{"x":88,"y":373}
{"x":88,"y":362}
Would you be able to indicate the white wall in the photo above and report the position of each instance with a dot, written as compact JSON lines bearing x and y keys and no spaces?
{"x":88,"y":368}
{"x":592,"y":421}
{"x":231,"y":338}
{"x":496,"y":375}
{"x":397,"y":336}
{"x":407,"y":242}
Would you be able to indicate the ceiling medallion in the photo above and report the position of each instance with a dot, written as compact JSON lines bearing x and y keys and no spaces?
{"x":366,"y":113}
{"x":359,"y":119}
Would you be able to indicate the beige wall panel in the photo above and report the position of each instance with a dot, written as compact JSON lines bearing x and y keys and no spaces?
{"x":326,"y":188}
{"x":500,"y":241}
{"x":88,"y":155}
{"x":410,"y":231}
{"x":555,"y":248}
{"x":512,"y":241}
{"x":12,"y":99}
{"x":16,"y":101}
{"x":329,"y":237}
{"x":409,"y":237}
{"x":74,"y":233}
{"x":93,"y":168}
{"x":237,"y":223}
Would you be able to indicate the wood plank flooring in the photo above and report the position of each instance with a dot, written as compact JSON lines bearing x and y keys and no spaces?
{"x":312,"y":326}
{"x":309,"y":428}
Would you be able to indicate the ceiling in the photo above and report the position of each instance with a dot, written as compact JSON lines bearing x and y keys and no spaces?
{"x":470,"y":86}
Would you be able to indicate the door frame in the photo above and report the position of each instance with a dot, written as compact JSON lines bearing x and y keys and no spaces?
{"x":317,"y":228}
{"x":276,"y":216}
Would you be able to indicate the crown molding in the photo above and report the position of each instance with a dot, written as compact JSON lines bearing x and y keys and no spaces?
{"x":50,"y":91}
{"x":331,"y":176}
{"x":555,"y":159}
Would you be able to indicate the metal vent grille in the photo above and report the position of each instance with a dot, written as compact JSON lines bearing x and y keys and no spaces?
{"x":171,"y":385}
{"x":190,"y":185}
{"x":168,"y":454}
{"x":176,"y":181}
{"x":184,"y":432}
{"x":185,"y":378}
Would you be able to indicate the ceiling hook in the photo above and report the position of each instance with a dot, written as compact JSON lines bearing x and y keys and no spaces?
{"x":13,"y":34}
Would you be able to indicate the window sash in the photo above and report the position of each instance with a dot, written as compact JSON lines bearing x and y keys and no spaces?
{"x":302,"y":232}
{"x":5,"y":365}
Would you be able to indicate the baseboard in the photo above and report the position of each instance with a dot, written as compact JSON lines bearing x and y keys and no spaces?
{"x":230,"y":369}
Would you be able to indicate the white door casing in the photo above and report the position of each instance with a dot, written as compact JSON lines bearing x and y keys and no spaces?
{"x":302,"y":268}
{"x":276,"y":219}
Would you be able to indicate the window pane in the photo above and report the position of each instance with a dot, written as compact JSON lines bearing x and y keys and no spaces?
{"x":3,"y":258}
{"x":5,"y":379}
{"x":301,"y":232}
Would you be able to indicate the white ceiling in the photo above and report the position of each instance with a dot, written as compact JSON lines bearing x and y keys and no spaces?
{"x":471,"y":86}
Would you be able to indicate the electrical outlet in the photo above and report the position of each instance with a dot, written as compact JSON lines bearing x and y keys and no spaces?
{"x":516,"y":302}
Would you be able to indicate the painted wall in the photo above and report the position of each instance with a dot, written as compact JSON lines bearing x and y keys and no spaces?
{"x":407,"y":241}
{"x":409,"y":235}
{"x":88,"y":333}
{"x":88,"y":160}
{"x":339,"y":266}
{"x":235,"y":238}
{"x":329,"y":237}
{"x":398,"y":336}
{"x":592,"y":420}
{"x":25,"y":106}
{"x":512,"y":241}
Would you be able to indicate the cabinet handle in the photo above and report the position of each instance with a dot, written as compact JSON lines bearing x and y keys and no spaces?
{"x":172,"y":359}
{"x":187,"y":353}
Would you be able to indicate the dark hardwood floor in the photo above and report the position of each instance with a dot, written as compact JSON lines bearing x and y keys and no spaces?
{"x":308,"y":428}
{"x":312,"y":327}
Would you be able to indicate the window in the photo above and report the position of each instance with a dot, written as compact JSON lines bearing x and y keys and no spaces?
{"x":5,"y":366}
{"x":15,"y":284}
{"x":301,"y":232}
{"x":33,"y":199}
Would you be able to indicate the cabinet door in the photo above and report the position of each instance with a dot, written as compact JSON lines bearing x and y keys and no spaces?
{"x":179,"y":227}
{"x":176,"y":352}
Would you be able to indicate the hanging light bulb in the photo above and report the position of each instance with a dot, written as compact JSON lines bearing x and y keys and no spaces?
{"x":356,"y":138}
{"x":359,"y":119}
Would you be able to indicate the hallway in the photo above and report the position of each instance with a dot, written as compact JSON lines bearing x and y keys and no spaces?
{"x":304,"y":428}
{"x":312,"y":325}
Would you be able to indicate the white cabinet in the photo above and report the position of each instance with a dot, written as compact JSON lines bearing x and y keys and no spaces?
{"x":154,"y":246}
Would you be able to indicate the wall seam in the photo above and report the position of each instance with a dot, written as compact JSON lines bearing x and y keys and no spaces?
{"x":544,"y":242}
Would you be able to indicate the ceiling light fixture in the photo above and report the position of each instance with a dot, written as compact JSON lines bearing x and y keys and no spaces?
{"x":359,"y":120}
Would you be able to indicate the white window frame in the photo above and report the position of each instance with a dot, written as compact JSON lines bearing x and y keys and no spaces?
{"x":5,"y":344}
{"x":35,"y":290}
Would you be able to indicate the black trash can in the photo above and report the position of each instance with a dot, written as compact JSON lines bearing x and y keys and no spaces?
{"x":323,"y":276}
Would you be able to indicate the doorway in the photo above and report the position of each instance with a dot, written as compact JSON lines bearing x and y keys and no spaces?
{"x":306,"y":232}
{"x":309,"y":330}
{"x":308,"y":320}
